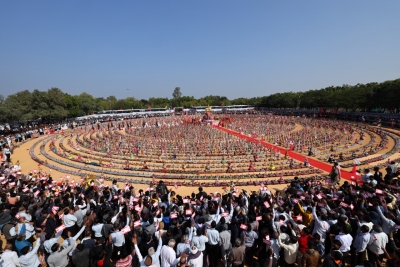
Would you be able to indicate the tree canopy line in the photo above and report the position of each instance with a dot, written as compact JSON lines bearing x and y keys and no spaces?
{"x":55,"y":104}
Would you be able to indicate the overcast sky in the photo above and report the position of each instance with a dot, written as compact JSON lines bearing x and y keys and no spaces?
{"x":233,"y":48}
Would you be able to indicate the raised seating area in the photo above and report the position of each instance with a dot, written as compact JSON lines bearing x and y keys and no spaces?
{"x":200,"y":154}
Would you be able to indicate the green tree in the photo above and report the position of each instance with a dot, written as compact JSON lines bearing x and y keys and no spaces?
{"x":177,"y":93}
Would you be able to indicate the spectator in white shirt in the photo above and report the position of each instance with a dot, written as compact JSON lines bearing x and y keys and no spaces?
{"x":9,"y":258}
{"x":80,"y":214}
{"x":212,"y":246}
{"x":69,"y":220}
{"x":97,"y":227}
{"x":360,"y":244}
{"x":199,"y":241}
{"x":184,"y":246}
{"x":346,"y":239}
{"x":23,"y":213}
{"x":321,"y":226}
{"x":290,"y":250}
{"x":168,"y":256}
{"x":28,"y":229}
{"x":29,"y":258}
{"x":117,"y":238}
{"x":377,"y":243}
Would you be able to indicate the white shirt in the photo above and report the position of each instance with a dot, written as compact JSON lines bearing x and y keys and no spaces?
{"x":29,"y":230}
{"x":27,"y":216}
{"x":198,"y":262}
{"x":49,"y":243}
{"x":31,"y":259}
{"x":182,"y":247}
{"x":97,"y":229}
{"x":118,"y":239}
{"x":200,"y":242}
{"x":361,"y":241}
{"x":290,"y":251}
{"x":377,"y":241}
{"x":213,"y":236}
{"x":9,"y":259}
{"x":168,"y":257}
{"x":346,"y":240}
{"x":321,"y":227}
{"x":69,"y":220}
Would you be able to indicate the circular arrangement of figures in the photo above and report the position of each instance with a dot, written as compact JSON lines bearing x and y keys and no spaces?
{"x":190,"y":150}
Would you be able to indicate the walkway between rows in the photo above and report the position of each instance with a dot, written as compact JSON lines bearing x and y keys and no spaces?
{"x":297,"y":156}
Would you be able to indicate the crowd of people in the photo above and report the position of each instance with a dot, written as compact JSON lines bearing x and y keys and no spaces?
{"x":88,"y":223}
{"x":62,"y":222}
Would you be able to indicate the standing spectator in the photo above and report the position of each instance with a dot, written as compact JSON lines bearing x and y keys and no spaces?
{"x":59,"y":258}
{"x":195,"y":258}
{"x":9,"y":258}
{"x":237,"y":256}
{"x":199,"y":241}
{"x":168,"y":256}
{"x":360,"y":244}
{"x":250,"y":238}
{"x":290,"y":250}
{"x":81,"y":257}
{"x":225,"y":243}
{"x":7,"y":153}
{"x":29,"y":258}
{"x":377,"y":243}
{"x":311,"y":256}
{"x":212,"y":246}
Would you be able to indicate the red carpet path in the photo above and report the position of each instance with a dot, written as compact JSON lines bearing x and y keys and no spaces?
{"x":313,"y":162}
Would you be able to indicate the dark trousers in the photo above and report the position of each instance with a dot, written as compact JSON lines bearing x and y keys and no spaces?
{"x":372,"y":257}
{"x":8,"y":157}
{"x":205,"y":264}
{"x":212,"y":251}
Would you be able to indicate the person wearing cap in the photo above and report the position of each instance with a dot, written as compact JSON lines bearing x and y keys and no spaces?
{"x":199,"y":241}
{"x":195,"y":258}
{"x":29,"y":257}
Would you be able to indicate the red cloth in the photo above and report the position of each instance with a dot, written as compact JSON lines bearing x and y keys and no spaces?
{"x":303,"y":242}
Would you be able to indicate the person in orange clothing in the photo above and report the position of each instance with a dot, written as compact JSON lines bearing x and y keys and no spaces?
{"x":307,"y":215}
